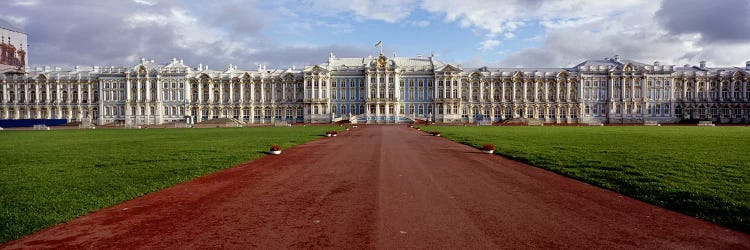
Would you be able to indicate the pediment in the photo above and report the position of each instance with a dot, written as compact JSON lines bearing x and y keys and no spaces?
{"x":450,"y":68}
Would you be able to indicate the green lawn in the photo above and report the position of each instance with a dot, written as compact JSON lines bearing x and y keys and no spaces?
{"x":700,"y":171}
{"x":49,"y":177}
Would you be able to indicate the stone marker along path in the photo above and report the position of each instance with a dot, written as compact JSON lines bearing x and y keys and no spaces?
{"x":384,"y":187}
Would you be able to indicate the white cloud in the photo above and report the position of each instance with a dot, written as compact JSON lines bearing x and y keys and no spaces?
{"x":489,"y":44}
{"x":506,"y":16}
{"x":145,"y":19}
{"x":16,"y":20}
{"x":633,"y":34}
{"x":384,"y":10}
{"x":422,"y":23}
{"x":26,"y":3}
{"x":144,"y":2}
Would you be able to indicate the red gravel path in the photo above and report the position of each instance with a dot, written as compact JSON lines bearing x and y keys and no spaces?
{"x":384,"y":187}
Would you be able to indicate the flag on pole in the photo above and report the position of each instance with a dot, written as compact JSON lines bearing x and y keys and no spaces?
{"x":379,"y":43}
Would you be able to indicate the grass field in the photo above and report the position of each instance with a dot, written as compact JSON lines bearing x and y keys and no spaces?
{"x":700,"y":171}
{"x":48,"y":177}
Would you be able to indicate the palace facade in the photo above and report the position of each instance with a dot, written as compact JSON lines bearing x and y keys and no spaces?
{"x":380,"y":90}
{"x":13,"y":48}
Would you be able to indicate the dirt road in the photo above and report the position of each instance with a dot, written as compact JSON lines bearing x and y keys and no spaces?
{"x":384,"y":187}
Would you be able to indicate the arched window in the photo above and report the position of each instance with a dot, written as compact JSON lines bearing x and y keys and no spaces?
{"x":712,"y":90}
{"x":519,"y":93}
{"x":529,"y":92}
{"x":540,"y":94}
{"x":737,"y":93}
{"x":226,"y":96}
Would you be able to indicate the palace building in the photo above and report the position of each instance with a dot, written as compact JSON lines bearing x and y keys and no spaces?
{"x":13,"y":47}
{"x":380,"y":90}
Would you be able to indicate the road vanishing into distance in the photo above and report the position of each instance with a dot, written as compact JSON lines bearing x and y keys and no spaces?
{"x":384,"y":187}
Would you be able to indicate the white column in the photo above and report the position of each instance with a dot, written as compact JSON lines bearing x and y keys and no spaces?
{"x":320,"y":87}
{"x":387,"y":90}
{"x":492,"y":92}
{"x":89,"y":92}
{"x":387,"y":110}
{"x":242,"y":92}
{"x":3,"y":89}
{"x":460,"y":83}
{"x":138,"y":89}
{"x":471,"y":92}
{"x":262,"y":92}
{"x":367,"y":87}
{"x":210,"y":92}
{"x":397,"y":88}
{"x":252,"y":95}
{"x":445,"y":87}
{"x":36,"y":93}
{"x":273,"y":93}
{"x":148,"y":90}
{"x":377,"y":87}
{"x":502,"y":92}
{"x":231,"y":92}
{"x":221,"y":93}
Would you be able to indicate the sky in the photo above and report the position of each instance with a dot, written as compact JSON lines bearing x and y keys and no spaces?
{"x":471,"y":33}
